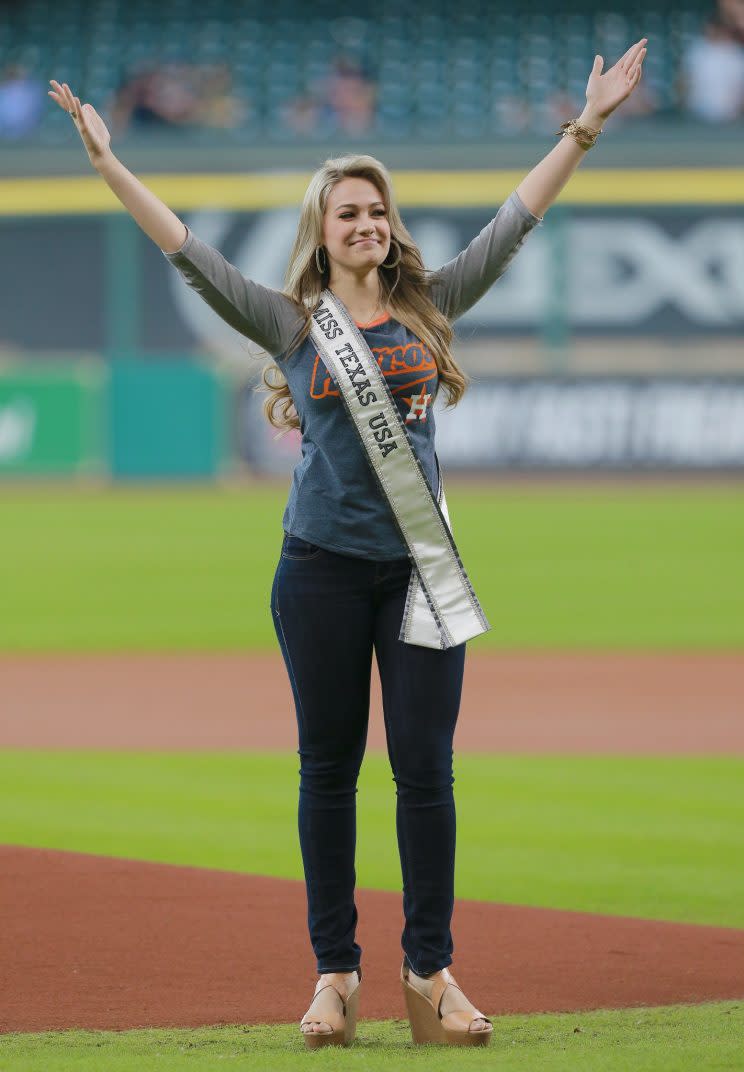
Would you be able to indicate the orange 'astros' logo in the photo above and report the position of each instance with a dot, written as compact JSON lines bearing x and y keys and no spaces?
{"x":404,"y":367}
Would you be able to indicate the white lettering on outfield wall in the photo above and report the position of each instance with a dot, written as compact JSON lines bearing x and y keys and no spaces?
{"x":579,"y":424}
{"x":508,"y":423}
{"x":622,"y":271}
{"x":628,"y":269}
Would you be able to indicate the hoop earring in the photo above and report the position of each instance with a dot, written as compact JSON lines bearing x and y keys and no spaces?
{"x":322,"y":268}
{"x":400,"y":255}
{"x":395,"y":284}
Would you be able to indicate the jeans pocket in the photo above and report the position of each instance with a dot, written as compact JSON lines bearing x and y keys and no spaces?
{"x":301,"y":550}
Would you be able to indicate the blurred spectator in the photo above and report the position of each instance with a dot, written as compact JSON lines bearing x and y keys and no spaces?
{"x":350,"y":98}
{"x":731,"y":14}
{"x":512,"y":112}
{"x":344,"y":102}
{"x":218,"y":105}
{"x":177,"y":95}
{"x":302,"y":115}
{"x":713,"y":67}
{"x":22,"y":102}
{"x":155,"y":97}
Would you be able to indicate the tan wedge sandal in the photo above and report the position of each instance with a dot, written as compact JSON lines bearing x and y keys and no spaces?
{"x":427,"y":1022}
{"x":336,"y":1005}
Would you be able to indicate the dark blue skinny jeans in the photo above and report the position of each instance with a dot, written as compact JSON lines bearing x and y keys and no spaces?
{"x":329,"y":612}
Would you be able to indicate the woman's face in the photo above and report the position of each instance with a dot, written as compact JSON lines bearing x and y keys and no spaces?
{"x":356,"y":231}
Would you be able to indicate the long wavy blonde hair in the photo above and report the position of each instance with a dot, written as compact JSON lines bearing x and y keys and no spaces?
{"x":405,"y":288}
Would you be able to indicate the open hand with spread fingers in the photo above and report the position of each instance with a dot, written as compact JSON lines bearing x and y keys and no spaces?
{"x":604,"y":92}
{"x":90,"y":126}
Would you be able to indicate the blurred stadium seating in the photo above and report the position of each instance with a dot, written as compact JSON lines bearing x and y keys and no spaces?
{"x":442,"y":71}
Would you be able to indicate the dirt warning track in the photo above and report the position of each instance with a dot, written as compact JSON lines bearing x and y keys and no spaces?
{"x":94,"y":942}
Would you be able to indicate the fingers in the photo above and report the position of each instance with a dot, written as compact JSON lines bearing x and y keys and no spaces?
{"x":67,"y":96}
{"x":60,"y":94}
{"x":627,"y":61}
{"x":74,"y":103}
{"x":627,"y":57}
{"x":57,"y":93}
{"x":634,"y":72}
{"x":63,"y":95}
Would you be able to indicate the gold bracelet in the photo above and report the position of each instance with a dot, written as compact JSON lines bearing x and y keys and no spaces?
{"x":583,"y":135}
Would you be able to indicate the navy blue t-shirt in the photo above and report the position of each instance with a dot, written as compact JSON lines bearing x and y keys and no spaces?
{"x":335,"y":499}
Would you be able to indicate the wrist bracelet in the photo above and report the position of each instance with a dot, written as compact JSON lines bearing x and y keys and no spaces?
{"x":582,"y":135}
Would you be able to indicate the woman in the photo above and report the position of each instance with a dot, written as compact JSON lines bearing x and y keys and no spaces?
{"x":342,"y":581}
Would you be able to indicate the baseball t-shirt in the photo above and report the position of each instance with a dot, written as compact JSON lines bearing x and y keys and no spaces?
{"x":334,"y":500}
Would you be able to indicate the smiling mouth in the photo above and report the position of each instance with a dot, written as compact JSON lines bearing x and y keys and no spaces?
{"x":363,"y":241}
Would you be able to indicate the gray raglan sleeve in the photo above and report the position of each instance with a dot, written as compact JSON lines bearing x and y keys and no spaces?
{"x":463,"y":281}
{"x":266,"y":316}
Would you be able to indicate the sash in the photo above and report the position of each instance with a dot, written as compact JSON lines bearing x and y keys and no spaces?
{"x":441,"y":609}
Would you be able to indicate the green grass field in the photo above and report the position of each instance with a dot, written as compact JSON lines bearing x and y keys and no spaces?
{"x":682,"y":1038}
{"x":165,"y":568}
{"x":191,"y":569}
{"x":644,"y":836}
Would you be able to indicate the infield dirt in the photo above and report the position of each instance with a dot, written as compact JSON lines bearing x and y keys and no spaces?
{"x":94,"y":942}
{"x":572,"y":703}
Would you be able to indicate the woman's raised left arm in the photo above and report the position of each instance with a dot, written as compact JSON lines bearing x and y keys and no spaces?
{"x":604,"y":92}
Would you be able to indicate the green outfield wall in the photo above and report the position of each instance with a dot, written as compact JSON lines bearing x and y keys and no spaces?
{"x":124,"y":419}
{"x":52,"y":420}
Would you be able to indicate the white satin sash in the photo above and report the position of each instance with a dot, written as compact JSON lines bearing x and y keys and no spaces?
{"x":441,"y":610}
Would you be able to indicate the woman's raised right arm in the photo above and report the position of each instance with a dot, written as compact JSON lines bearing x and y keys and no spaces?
{"x":154,"y":217}
{"x":265,"y":315}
